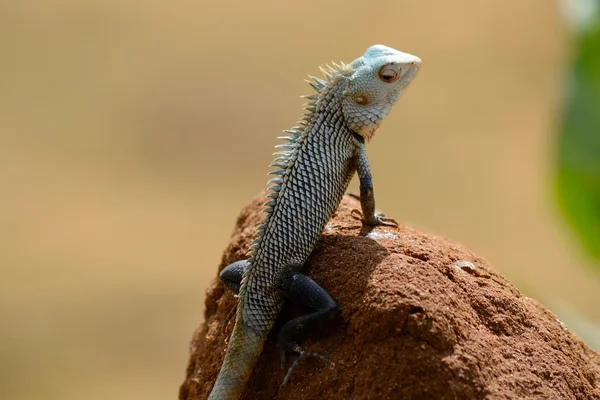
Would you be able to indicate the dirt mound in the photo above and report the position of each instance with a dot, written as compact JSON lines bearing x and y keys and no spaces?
{"x":421,"y":318}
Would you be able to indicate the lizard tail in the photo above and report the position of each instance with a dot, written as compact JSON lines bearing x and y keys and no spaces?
{"x":245,"y":346}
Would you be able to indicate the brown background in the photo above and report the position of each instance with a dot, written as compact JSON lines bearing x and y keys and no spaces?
{"x":131,"y":133}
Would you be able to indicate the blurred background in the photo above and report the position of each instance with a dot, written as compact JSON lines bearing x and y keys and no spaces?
{"x":131,"y":134}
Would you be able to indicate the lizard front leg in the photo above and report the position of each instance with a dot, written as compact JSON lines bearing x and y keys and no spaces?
{"x":367,"y":198}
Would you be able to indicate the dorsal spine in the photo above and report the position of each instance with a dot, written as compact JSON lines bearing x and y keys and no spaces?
{"x":287,"y":153}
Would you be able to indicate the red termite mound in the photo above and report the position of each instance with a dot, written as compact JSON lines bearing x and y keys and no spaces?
{"x":421,"y":318}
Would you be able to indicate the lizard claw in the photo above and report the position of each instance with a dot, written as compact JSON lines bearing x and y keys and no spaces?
{"x":356,"y":214}
{"x":229,"y":316}
{"x":302,"y":354}
{"x":377,"y":220}
{"x":381,"y":220}
{"x":282,"y":358}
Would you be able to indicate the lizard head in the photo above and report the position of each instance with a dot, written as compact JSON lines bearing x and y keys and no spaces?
{"x":375,"y":82}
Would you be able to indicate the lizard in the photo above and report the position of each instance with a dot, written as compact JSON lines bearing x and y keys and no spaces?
{"x":312,"y":171}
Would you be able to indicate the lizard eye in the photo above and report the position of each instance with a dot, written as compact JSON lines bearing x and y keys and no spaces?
{"x":361,"y":99}
{"x":390,"y":73}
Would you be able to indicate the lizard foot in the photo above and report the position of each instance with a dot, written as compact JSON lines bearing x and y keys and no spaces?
{"x":382,"y":220}
{"x":378,"y":219}
{"x":302,"y":354}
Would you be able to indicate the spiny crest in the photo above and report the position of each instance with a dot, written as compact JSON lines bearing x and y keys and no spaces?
{"x":284,"y":157}
{"x":329,"y":72}
{"x":286,"y":154}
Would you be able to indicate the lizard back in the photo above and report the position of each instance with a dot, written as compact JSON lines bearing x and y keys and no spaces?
{"x":315,"y":172}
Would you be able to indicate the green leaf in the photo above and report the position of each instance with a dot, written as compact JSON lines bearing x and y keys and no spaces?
{"x":578,"y":170}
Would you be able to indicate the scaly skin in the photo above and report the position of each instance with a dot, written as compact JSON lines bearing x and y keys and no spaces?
{"x":314,"y":169}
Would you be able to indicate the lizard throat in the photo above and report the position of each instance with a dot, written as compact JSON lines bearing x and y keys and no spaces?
{"x":370,"y":133}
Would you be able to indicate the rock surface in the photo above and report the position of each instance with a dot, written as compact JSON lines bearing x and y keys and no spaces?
{"x":421,"y":318}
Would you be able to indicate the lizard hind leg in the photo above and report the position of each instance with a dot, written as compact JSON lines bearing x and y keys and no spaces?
{"x":302,"y":291}
{"x":231,"y":276}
